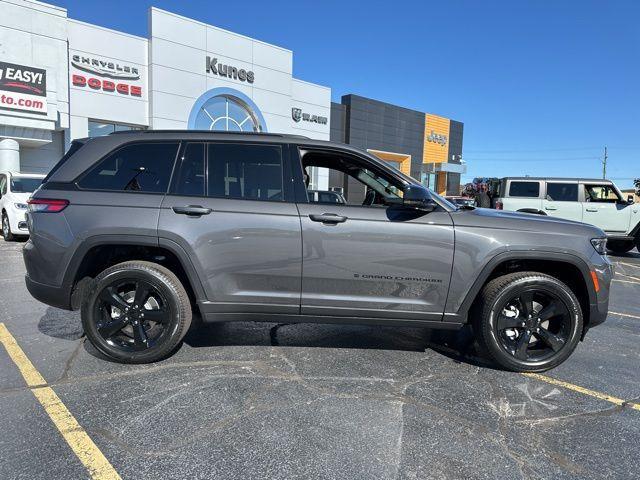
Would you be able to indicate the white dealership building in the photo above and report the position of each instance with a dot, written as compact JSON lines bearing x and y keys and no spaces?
{"x":62,"y":79}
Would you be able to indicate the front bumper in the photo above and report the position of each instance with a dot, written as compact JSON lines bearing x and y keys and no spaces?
{"x":599,"y":308}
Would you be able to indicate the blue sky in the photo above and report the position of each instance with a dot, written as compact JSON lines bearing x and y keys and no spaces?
{"x":541,"y":86}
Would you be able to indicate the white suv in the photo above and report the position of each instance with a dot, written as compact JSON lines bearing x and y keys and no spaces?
{"x":598,"y":202}
{"x":15,"y":189}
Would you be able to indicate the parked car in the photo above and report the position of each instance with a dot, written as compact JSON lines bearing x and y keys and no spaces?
{"x":326,"y":196}
{"x":137,"y":229}
{"x":15,"y":189}
{"x":462,"y":201}
{"x":594,"y":201}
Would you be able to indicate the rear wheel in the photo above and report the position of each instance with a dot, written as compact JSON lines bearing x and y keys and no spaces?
{"x":6,"y":228}
{"x":528,"y":321}
{"x":136,"y":312}
{"x":620,"y":246}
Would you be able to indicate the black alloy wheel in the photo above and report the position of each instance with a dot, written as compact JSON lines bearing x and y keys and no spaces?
{"x":528,"y":321}
{"x":533,"y":325}
{"x":132,"y":314}
{"x":136,"y":312}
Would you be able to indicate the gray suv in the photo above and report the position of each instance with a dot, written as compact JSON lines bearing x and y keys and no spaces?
{"x":140,"y":230}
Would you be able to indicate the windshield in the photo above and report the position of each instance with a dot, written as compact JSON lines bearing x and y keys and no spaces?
{"x":443,"y":200}
{"x":25,"y":184}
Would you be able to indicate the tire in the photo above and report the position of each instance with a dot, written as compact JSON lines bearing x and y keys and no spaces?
{"x":6,"y":229}
{"x":129,"y":326}
{"x":504,"y":301}
{"x":620,"y":246}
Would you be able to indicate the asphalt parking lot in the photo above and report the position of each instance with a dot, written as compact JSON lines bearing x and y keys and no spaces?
{"x":311,"y":401}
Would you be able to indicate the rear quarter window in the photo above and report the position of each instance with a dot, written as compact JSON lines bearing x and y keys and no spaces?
{"x":524,"y":189}
{"x":138,"y":167}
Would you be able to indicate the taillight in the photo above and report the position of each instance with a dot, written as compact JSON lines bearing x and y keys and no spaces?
{"x":499,"y":205}
{"x":47,"y":205}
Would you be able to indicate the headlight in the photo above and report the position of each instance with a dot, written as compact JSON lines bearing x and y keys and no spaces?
{"x":600,"y":244}
{"x":20,"y":206}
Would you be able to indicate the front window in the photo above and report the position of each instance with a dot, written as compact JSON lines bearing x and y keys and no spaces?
{"x":25,"y":184}
{"x":601,"y":194}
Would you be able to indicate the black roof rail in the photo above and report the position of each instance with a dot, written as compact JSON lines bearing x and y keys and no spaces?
{"x":216,"y":132}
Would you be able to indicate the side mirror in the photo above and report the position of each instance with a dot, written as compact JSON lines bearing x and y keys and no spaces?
{"x":418,"y":198}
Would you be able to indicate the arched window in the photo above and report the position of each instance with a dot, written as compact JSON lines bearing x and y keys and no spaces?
{"x":226,"y":110}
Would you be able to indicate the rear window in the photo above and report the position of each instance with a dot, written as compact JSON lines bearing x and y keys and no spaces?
{"x":137,"y":167}
{"x":562,"y":192}
{"x":252,"y":172}
{"x":524,"y":189}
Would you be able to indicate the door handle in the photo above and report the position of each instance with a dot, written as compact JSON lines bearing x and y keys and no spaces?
{"x":550,"y":208}
{"x":192,"y":210}
{"x":330,"y":218}
{"x":591,"y":209}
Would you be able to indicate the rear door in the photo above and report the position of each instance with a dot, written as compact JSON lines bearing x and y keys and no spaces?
{"x":561,"y":200}
{"x":228,"y":208}
{"x":523,"y":195}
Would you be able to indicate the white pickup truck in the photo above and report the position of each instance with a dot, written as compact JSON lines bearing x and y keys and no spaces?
{"x":598,"y":202}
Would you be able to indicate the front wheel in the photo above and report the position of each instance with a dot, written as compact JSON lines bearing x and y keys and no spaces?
{"x":136,"y":312}
{"x":528,"y":321}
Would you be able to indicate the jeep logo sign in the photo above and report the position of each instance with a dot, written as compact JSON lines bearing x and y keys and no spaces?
{"x":228,"y":71}
{"x":297,"y":114}
{"x":437,"y":138}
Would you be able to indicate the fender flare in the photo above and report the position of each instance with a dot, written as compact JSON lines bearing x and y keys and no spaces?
{"x":133,"y":240}
{"x":490,"y":266}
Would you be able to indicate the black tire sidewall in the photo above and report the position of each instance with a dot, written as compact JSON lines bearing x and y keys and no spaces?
{"x":172,"y":337}
{"x":541,"y":283}
{"x":9,"y":236}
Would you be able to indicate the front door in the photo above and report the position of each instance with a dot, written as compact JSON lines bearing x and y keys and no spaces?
{"x":371,"y":259}
{"x":227,"y":209}
{"x":604,"y":208}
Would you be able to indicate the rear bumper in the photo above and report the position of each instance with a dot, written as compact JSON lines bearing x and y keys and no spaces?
{"x":59,"y":297}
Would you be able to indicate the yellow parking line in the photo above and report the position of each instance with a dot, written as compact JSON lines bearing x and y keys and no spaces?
{"x":584,"y":391}
{"x":624,"y":315}
{"x":87,"y":452}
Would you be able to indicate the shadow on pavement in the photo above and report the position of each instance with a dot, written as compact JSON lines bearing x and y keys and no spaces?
{"x":61,"y":324}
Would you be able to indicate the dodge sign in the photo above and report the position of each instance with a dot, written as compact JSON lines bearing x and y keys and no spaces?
{"x":23,"y":88}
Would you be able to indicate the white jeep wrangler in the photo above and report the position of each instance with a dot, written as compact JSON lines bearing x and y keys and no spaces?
{"x":598,"y":202}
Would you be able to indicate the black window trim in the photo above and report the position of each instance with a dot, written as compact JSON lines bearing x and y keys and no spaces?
{"x":287,"y":191}
{"x":79,"y":178}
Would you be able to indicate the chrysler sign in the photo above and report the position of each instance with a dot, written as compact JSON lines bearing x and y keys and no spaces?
{"x":229,"y":71}
{"x":23,"y":88}
{"x":102,"y":75}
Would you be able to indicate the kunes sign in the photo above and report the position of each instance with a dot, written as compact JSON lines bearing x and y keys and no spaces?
{"x":23,"y":88}
{"x":228,"y":71}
